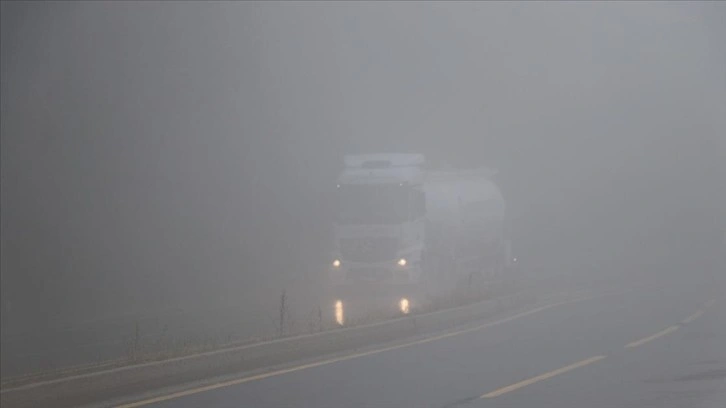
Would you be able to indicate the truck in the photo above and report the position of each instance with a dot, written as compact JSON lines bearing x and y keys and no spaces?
{"x":404,"y":231}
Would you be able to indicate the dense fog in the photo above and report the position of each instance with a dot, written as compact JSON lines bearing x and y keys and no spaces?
{"x":166,"y":155}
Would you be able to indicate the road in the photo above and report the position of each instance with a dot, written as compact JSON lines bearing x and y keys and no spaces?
{"x":662,"y":345}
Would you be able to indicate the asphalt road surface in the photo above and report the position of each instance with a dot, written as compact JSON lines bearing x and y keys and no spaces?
{"x":656,"y":346}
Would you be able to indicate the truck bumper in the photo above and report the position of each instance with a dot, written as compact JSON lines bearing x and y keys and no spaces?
{"x":375,"y":275}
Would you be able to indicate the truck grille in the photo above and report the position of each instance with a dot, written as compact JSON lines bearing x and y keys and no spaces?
{"x":368,"y":249}
{"x":368,"y":274}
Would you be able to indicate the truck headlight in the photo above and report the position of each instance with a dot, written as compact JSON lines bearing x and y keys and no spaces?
{"x":402,"y":262}
{"x":336,"y":263}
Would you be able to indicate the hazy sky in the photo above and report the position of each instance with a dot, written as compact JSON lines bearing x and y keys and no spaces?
{"x":153,"y":152}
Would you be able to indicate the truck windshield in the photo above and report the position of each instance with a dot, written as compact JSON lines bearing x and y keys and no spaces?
{"x":372,"y":204}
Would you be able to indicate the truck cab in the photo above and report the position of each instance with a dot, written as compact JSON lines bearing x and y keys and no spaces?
{"x":403,"y":232}
{"x":379,"y":223}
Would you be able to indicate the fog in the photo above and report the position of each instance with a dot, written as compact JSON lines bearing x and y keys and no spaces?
{"x":184,"y":155}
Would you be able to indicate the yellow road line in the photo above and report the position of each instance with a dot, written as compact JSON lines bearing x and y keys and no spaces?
{"x":337,"y":359}
{"x":541,"y":377}
{"x":651,"y":338}
{"x":692,"y":317}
